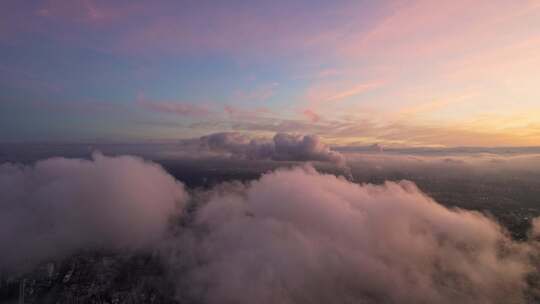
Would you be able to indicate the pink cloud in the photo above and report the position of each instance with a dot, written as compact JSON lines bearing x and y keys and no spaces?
{"x":140,"y":28}
{"x":425,"y":28}
{"x":336,"y":91}
{"x":311,"y":115}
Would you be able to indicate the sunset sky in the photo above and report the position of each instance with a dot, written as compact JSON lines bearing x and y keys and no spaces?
{"x":398,"y":73}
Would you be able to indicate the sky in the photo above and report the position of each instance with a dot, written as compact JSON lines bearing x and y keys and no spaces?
{"x":397,"y":73}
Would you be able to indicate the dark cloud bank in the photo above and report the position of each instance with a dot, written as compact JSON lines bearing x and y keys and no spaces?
{"x":293,"y":236}
{"x":282,"y":147}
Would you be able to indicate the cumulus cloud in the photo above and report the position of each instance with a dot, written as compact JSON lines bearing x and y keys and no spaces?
{"x":535,"y":229}
{"x":311,"y":115}
{"x":297,"y":236}
{"x":59,"y":206}
{"x":292,"y":236}
{"x":282,"y":147}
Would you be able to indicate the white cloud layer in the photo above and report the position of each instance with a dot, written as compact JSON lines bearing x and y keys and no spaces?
{"x":297,"y":236}
{"x":59,"y":206}
{"x":293,"y":236}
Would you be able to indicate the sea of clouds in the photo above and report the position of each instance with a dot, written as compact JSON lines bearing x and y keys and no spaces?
{"x":292,"y":236}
